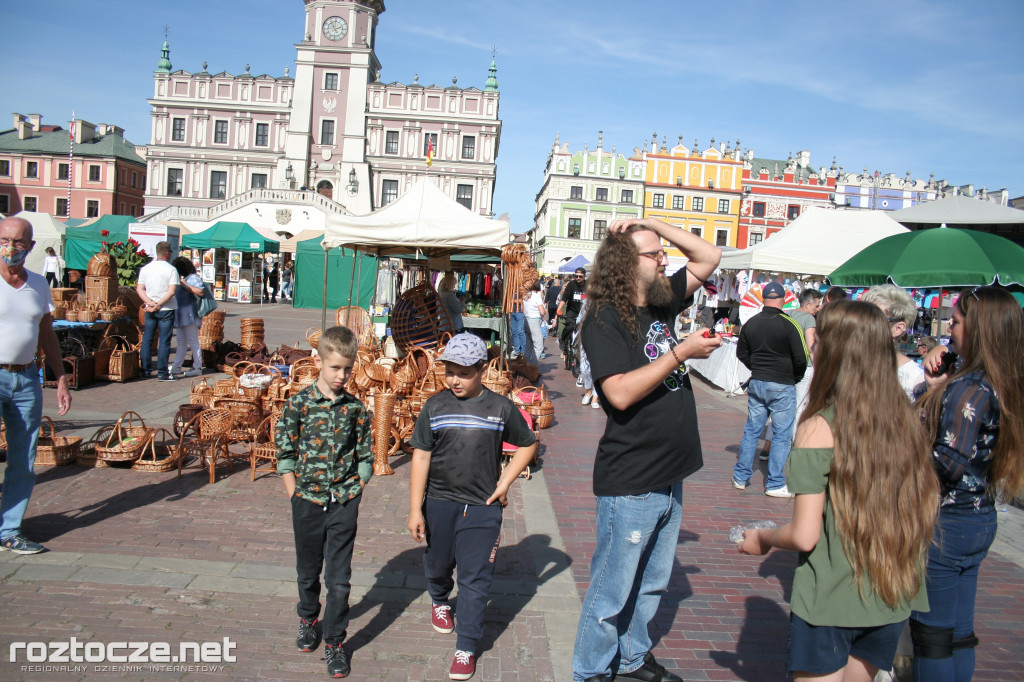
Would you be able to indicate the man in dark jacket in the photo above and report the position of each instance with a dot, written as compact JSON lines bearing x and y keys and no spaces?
{"x":771,"y":347}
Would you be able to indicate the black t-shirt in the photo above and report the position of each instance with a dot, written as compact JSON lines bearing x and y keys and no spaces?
{"x":551,"y":295}
{"x":654,"y":443}
{"x":464,"y":436}
{"x":572,"y":294}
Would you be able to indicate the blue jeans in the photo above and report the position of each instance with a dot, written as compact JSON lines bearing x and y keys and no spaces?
{"x":632,"y":563}
{"x":961,"y":543}
{"x":766,"y":398}
{"x":517,"y":322}
{"x":21,"y":400}
{"x":164,"y":321}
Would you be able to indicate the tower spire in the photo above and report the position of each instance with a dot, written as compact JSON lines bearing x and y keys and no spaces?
{"x":492,"y":74}
{"x":164,"y":65}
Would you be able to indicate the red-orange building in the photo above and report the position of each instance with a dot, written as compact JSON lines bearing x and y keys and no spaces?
{"x":776,"y":192}
{"x":107,"y":174}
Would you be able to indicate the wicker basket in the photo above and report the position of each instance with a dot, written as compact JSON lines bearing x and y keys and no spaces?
{"x":536,"y":402}
{"x":101,"y":289}
{"x":86,"y":455}
{"x":496,"y":379}
{"x":160,"y":453}
{"x":54,"y":450}
{"x":117,"y":360}
{"x":127,"y":441}
{"x":87,"y":314}
{"x":201,"y":392}
{"x":60,"y":309}
{"x":403,"y":378}
{"x":184,"y":415}
{"x":64,"y":294}
{"x":419,"y":318}
{"x":313,"y":336}
{"x":383,"y":414}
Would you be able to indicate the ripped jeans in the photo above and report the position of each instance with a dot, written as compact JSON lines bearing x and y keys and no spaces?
{"x":632,"y":563}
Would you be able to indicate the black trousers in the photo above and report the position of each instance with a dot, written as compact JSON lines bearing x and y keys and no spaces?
{"x":462,"y":537}
{"x":324,"y":539}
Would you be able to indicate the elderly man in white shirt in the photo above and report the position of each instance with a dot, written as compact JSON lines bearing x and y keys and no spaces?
{"x":26,"y":323}
{"x":158,"y":280}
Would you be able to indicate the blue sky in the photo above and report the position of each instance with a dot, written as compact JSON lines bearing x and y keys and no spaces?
{"x":930,"y":87}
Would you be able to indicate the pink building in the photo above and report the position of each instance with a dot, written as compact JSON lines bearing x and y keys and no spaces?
{"x":106,"y":173}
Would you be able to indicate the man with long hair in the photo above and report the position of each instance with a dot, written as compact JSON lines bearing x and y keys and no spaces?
{"x":650,"y":442}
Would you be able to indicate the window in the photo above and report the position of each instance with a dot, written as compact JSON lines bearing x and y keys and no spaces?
{"x":63,"y":170}
{"x":469,"y":146}
{"x":576,"y":192}
{"x":755,"y":238}
{"x":330,"y":81}
{"x":132,"y":209}
{"x":758,"y":209}
{"x":5,"y":167}
{"x":627,"y":196}
{"x":723,"y":205}
{"x":658,"y":201}
{"x":92,"y":208}
{"x":259,"y":180}
{"x":679,"y":201}
{"x":262,"y":134}
{"x":32,"y":169}
{"x":429,"y":140}
{"x":699,"y":231}
{"x":30,"y":203}
{"x":62,"y":207}
{"x":390,"y":192}
{"x":5,"y":204}
{"x":792,"y":212}
{"x":220,"y":132}
{"x":391,"y":142}
{"x":178,"y":130}
{"x":600,"y":229}
{"x":218,"y":184}
{"x":601,"y":194}
{"x":175,"y":181}
{"x":464,"y":195}
{"x":135,"y":179}
{"x":721,"y":237}
{"x":575,"y":225}
{"x":697,"y":204}
{"x":94,"y":173}
{"x":327,"y":132}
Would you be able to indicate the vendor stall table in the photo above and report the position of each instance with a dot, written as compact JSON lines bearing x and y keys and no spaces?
{"x":491,"y":323}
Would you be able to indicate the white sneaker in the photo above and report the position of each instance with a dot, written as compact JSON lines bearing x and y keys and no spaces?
{"x":585,"y":399}
{"x":779,"y":492}
{"x":194,"y":372}
{"x":596,"y":404}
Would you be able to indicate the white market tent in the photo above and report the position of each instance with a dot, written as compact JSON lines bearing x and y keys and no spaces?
{"x":46,"y":231}
{"x":816,"y":243}
{"x":959,"y":210}
{"x":424,"y":220}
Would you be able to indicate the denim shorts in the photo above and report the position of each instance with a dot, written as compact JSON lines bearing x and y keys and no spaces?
{"x":824,"y":649}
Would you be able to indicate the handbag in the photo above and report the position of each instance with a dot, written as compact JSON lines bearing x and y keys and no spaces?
{"x":205,"y":304}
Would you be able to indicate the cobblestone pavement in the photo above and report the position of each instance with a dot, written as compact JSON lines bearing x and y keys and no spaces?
{"x":148,"y":557}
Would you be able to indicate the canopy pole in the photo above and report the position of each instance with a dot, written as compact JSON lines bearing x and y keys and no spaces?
{"x":351,"y":282}
{"x":323,"y":301}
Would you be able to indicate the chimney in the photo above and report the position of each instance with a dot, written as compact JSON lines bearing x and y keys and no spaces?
{"x":18,"y":118}
{"x":109,"y":129}
{"x":84,"y":131}
{"x":803,"y":158}
{"x":34,"y":120}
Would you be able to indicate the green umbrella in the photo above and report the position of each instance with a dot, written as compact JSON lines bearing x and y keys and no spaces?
{"x":939,"y":257}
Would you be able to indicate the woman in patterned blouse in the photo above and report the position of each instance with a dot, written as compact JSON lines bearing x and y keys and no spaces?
{"x":976,"y":419}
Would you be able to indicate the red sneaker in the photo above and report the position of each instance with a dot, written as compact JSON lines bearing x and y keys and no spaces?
{"x":441,"y":619}
{"x":463,"y":667}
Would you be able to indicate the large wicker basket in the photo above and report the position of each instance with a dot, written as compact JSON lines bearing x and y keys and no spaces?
{"x":160,"y":453}
{"x":419,"y":318}
{"x":54,"y":450}
{"x":536,"y":402}
{"x":383,"y":413}
{"x":127,"y":441}
{"x":86,"y":455}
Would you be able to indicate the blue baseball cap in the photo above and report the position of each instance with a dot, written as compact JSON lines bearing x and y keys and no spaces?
{"x":773,"y":290}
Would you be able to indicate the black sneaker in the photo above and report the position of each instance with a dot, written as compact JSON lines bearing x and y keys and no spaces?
{"x":337,"y":660}
{"x":310,"y":634}
{"x":651,"y":671}
{"x":168,"y":377}
{"x":19,"y":544}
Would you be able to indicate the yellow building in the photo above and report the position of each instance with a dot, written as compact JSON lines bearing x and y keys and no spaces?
{"x":700,"y":191}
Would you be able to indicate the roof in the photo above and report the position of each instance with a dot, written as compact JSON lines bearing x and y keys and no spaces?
{"x":959,"y":210}
{"x":107,"y":146}
{"x":801,"y":172}
{"x":816,"y":243}
{"x":229,"y":235}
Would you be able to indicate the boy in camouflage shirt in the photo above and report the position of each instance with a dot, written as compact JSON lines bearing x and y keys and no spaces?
{"x":323,"y":455}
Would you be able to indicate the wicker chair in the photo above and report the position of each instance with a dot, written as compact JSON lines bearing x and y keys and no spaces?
{"x":262,"y":448}
{"x":204,"y":438}
{"x":246,"y":415}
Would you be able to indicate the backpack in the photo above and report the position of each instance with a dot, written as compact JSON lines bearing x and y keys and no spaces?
{"x":205,"y":304}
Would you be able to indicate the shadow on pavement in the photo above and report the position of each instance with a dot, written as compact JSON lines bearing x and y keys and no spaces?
{"x":760,"y":649}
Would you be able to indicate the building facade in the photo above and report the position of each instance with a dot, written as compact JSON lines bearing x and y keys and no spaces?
{"x":776,"y":192}
{"x":890,"y":192}
{"x":582,"y":193}
{"x":697,"y":190}
{"x":283,"y":152}
{"x":85,"y":172}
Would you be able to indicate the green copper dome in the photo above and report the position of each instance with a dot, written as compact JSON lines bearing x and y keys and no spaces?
{"x":164,"y":65}
{"x":492,"y":78}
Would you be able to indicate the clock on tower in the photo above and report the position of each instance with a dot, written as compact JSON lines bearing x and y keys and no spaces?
{"x":335,"y":28}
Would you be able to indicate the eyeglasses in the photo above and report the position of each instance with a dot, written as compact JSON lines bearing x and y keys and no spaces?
{"x":19,"y":243}
{"x":656,"y":256}
{"x":581,"y":276}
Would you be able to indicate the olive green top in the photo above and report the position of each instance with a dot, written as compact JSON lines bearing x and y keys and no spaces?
{"x":824,"y":592}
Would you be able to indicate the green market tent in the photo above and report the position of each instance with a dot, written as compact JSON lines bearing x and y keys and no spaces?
{"x":309,"y":276}
{"x":234,"y":236}
{"x":81,"y":243}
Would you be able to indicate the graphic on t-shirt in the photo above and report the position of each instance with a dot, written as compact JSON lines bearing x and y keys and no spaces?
{"x":659,"y":342}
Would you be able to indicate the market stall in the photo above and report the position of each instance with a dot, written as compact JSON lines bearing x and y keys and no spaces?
{"x":359,"y":268}
{"x":230,"y":257}
{"x":47,"y":231}
{"x":81,"y":243}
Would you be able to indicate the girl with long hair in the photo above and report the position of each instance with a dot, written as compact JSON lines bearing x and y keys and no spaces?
{"x":975,"y":422}
{"x":866,"y":499}
{"x":190,"y":285}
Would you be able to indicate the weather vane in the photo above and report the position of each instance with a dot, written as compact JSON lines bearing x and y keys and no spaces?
{"x":166,"y":31}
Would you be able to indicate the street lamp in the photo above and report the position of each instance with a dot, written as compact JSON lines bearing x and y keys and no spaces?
{"x":353,"y":183}
{"x":289,"y":175}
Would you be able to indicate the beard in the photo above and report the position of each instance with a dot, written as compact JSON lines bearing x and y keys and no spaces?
{"x":659,"y":293}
